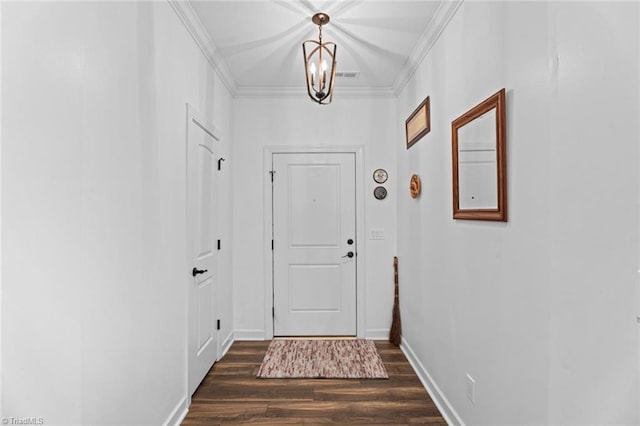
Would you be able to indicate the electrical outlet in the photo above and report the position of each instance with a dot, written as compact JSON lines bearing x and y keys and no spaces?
{"x":471,"y":384}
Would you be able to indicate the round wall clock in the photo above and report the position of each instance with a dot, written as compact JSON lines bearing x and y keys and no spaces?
{"x":380,"y":176}
{"x":415,"y":186}
{"x":380,"y":192}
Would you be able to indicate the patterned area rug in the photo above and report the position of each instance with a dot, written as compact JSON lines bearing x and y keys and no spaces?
{"x":322,"y":359}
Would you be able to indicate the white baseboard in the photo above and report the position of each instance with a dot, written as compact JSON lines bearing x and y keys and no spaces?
{"x":178,"y":414}
{"x":226,"y":344}
{"x":373,"y":334}
{"x":377,"y":334}
{"x":249,"y":335}
{"x":447,"y":411}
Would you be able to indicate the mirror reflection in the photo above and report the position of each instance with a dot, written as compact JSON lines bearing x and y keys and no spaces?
{"x":477,"y":170}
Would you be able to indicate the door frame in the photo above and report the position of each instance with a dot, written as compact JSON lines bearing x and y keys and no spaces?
{"x":269,"y":151}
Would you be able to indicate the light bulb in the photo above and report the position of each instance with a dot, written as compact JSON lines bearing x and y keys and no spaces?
{"x":323,"y":74}
{"x":312,"y":73}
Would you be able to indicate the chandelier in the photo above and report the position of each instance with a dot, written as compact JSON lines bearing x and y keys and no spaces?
{"x":320,"y":64}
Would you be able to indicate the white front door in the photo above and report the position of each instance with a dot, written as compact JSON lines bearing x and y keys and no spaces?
{"x":314,"y":231}
{"x":202,"y":211}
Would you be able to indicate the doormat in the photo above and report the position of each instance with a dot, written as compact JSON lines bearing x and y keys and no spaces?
{"x":322,"y":359}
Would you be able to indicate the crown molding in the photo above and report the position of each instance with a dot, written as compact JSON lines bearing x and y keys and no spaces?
{"x":441,"y":18}
{"x":192,"y":23}
{"x":301,"y":92}
{"x":364,"y":92}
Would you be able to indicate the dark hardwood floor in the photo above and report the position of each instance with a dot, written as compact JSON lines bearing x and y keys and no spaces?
{"x":231,"y":394}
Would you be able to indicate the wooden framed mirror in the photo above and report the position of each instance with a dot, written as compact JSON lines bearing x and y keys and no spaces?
{"x":479,"y":161}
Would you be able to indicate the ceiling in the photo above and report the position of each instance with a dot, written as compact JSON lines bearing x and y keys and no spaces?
{"x":256,"y":45}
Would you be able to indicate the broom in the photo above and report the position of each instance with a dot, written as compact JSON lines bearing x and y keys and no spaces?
{"x":395,"y":333}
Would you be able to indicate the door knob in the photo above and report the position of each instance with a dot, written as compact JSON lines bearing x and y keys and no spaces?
{"x":350,"y":254}
{"x":349,"y":241}
{"x":196,"y":271}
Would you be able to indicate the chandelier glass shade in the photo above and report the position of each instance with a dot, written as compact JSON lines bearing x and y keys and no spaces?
{"x":320,"y":64}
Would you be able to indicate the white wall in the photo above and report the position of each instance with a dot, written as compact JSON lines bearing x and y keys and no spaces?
{"x":1,"y":274}
{"x":94,"y":259}
{"x":540,"y":311}
{"x":594,"y":373}
{"x":299,"y":122}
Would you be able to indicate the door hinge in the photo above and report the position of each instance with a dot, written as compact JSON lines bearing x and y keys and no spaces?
{"x":220,"y":160}
{"x":273,"y":312}
{"x":218,"y":325}
{"x":272,"y":172}
{"x":218,"y":244}
{"x":272,"y":245}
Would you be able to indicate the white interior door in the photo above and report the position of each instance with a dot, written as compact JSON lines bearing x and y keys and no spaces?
{"x":202,"y":202}
{"x":314,"y":271}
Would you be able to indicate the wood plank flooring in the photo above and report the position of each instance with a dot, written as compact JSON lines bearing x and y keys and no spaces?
{"x":231,"y":394}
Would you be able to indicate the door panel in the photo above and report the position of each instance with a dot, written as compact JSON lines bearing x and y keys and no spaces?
{"x":206,"y":331}
{"x":304,"y":279}
{"x":314,"y":217}
{"x":307,"y":225}
{"x":202,"y":206}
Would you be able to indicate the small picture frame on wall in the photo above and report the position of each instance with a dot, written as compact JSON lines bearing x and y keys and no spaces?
{"x":419,"y":123}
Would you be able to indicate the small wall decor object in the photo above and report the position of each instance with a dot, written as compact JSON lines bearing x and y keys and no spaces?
{"x":380,"y":176}
{"x":380,"y":192}
{"x":419,"y":123}
{"x":415,"y":186}
{"x":478,"y":143}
